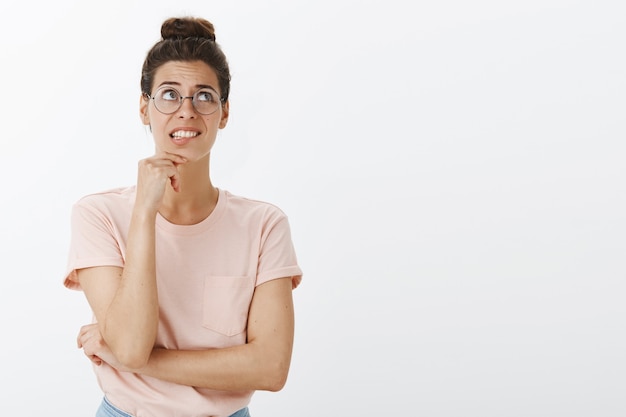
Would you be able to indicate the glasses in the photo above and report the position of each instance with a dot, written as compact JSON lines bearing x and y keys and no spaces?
{"x":168,"y":100}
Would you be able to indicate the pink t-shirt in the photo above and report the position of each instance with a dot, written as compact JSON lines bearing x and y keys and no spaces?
{"x":206,"y":275}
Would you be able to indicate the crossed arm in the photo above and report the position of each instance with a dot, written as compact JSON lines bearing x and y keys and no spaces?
{"x":125,"y":331}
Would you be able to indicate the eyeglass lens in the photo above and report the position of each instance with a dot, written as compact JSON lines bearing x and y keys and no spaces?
{"x":168,"y":100}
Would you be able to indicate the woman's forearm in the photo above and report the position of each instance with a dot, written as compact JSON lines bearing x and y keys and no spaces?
{"x":131,"y":319}
{"x":238,"y":368}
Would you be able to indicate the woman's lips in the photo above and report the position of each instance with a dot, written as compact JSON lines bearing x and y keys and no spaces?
{"x":182,"y":137}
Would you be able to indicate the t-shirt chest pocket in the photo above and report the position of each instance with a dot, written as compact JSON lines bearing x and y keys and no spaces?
{"x":226,"y":303}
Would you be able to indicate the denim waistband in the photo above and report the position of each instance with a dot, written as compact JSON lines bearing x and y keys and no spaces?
{"x":109,"y":410}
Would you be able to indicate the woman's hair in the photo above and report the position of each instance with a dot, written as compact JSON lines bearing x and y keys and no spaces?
{"x":186,"y":39}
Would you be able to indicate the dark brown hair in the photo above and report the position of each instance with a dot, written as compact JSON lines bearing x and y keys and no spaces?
{"x":186,"y":39}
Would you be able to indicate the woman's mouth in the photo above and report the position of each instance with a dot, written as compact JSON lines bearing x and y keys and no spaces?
{"x":182,"y":137}
{"x":183,"y":134}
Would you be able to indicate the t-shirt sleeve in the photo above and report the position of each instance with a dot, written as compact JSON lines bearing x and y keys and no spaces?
{"x":92,"y":242}
{"x":277,"y":258}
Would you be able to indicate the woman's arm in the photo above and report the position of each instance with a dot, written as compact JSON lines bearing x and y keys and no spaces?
{"x":261,"y":364}
{"x":125,"y":300}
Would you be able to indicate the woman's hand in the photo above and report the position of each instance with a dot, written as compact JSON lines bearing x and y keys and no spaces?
{"x":295,"y":281}
{"x":153,"y":175}
{"x":95,"y":347}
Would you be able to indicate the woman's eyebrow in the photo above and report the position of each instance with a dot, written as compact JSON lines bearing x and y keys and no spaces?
{"x":198,"y":86}
{"x":206,"y":86}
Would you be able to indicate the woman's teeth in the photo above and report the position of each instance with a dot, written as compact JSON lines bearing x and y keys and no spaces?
{"x":184,"y":134}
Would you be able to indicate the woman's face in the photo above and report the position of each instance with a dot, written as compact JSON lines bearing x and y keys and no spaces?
{"x":185,"y":132}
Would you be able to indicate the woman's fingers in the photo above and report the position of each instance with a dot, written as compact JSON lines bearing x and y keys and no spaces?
{"x":174,"y":179}
{"x":154,"y":173}
{"x":89,"y":339}
{"x":177,"y":159}
{"x":96,"y":360}
{"x":295,"y":281}
{"x":85,"y":333}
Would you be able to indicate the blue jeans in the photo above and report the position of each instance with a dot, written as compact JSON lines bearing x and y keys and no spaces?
{"x":107,"y":409}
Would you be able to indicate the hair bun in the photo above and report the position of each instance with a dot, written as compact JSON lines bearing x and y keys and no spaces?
{"x":187,"y":27}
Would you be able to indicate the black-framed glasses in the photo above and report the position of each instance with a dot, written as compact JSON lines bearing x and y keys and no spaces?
{"x":168,"y":100}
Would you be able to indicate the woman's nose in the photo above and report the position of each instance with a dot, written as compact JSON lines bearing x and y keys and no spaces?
{"x":186,"y":108}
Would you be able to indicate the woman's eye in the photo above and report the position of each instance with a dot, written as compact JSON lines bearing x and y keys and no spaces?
{"x":205,"y":96}
{"x":169,"y":95}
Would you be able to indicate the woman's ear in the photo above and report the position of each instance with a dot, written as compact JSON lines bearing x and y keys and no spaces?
{"x":143,"y":109}
{"x":224,"y":119}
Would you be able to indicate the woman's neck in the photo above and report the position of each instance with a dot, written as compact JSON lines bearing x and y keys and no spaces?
{"x":195,"y":199}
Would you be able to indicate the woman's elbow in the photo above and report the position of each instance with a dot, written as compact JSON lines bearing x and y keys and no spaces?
{"x":132,"y":357}
{"x":133,"y":362}
{"x":275,"y":376}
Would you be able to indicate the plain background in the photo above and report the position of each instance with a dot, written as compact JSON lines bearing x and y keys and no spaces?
{"x":453,"y":172}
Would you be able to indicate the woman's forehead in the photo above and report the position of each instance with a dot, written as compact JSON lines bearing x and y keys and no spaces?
{"x":186,"y":74}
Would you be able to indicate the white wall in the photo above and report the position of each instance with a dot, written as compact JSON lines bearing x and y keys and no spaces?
{"x":453,"y":172}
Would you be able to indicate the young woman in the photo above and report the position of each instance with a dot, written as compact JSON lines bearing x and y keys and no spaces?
{"x":190,"y":285}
